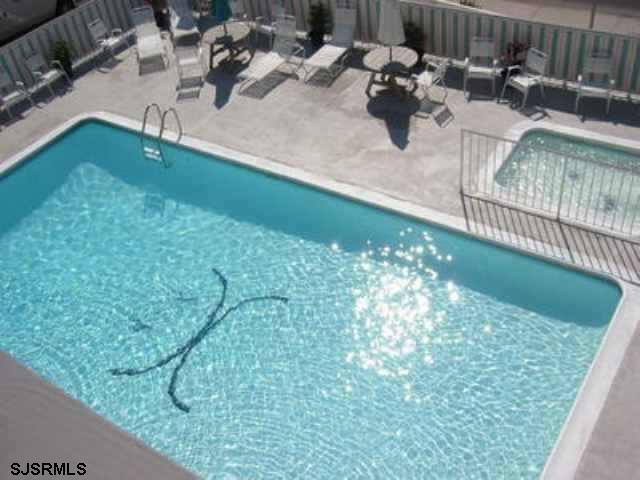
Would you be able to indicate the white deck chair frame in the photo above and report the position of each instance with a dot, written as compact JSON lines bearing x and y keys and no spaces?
{"x":596,"y":80}
{"x":43,"y":74}
{"x":531,"y":75}
{"x":267,"y":25}
{"x":481,"y":63}
{"x":430,"y":79}
{"x":12,"y":93}
{"x":150,"y":43}
{"x":333,"y":56}
{"x":106,"y":40}
{"x":182,"y":22}
{"x":189,"y":66}
{"x":285,"y":49}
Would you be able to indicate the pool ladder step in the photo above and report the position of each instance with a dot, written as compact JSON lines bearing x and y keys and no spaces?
{"x":152,"y":145}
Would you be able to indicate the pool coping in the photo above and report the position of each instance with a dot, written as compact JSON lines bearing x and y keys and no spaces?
{"x":565,"y":456}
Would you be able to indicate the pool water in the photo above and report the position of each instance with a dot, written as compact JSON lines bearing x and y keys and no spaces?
{"x":600,"y":183}
{"x":252,"y":328}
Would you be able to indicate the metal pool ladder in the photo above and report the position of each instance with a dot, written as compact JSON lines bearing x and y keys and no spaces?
{"x":152,"y":145}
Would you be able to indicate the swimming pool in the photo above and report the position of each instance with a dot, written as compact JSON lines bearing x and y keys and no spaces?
{"x":364,"y":344}
{"x":580,"y":175}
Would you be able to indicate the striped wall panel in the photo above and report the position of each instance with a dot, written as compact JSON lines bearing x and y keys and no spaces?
{"x":71,"y":27}
{"x":447,"y":33}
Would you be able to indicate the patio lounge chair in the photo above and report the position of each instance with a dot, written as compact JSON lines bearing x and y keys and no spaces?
{"x":531,"y":75}
{"x":12,"y":93}
{"x":189,"y":66}
{"x":266,"y":26}
{"x":481,"y":63}
{"x":336,"y":52}
{"x":150,"y":45}
{"x":183,"y":24}
{"x":595,"y":80}
{"x":106,"y":40}
{"x":432,"y":78}
{"x":44,"y":74}
{"x":285,"y":47}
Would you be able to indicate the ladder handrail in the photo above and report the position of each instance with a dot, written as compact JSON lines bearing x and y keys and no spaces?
{"x":146,"y":115}
{"x":163,"y":123}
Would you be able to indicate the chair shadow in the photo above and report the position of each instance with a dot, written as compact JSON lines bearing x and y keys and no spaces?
{"x":396,"y":110}
{"x":224,"y":77}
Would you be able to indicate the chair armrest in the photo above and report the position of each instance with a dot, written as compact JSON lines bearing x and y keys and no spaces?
{"x":116,"y":32}
{"x":298,"y":48}
{"x":513,"y":67}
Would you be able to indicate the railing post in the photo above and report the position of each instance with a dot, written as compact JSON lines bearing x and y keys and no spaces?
{"x":462,"y":131}
{"x":562,"y":181}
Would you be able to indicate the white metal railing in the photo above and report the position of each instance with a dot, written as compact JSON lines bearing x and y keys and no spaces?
{"x":586,"y":191}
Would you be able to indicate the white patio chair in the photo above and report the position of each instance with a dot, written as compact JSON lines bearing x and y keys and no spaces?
{"x":481,"y":63}
{"x":596,"y":80}
{"x":339,"y":47}
{"x":183,"y":25}
{"x":531,"y":75}
{"x":430,"y":79}
{"x":12,"y":93}
{"x":189,"y":65}
{"x":285,"y":49}
{"x":43,"y":74}
{"x":150,"y":45}
{"x":267,"y":25}
{"x":106,"y":40}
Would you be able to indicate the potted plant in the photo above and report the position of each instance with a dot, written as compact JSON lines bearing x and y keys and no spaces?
{"x":514,"y":56}
{"x":319,"y":24}
{"x":62,"y":54}
{"x":414,"y":38}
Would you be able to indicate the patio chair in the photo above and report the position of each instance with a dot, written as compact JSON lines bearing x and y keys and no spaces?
{"x":596,"y":80}
{"x":481,"y":64}
{"x":339,"y":47}
{"x":433,"y":76}
{"x":266,"y":26}
{"x":106,"y":40}
{"x":285,"y":48}
{"x":150,"y":45}
{"x":530,"y":75}
{"x":12,"y":93}
{"x":189,"y":66}
{"x":183,"y":25}
{"x":43,"y":74}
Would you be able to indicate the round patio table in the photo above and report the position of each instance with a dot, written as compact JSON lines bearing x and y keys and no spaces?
{"x":389,"y":62}
{"x":229,"y":36}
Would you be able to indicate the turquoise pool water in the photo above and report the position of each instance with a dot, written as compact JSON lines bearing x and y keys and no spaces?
{"x":600,"y":183}
{"x":288,"y":333}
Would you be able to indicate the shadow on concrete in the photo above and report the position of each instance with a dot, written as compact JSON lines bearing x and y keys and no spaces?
{"x":396,"y":110}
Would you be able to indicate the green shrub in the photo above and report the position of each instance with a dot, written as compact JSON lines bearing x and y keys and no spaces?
{"x":62,"y":54}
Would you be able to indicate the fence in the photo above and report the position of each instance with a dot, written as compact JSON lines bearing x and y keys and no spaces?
{"x":602,"y":193}
{"x":71,"y":27}
{"x":447,"y":30}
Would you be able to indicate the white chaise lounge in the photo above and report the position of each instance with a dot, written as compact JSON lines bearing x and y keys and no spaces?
{"x":285,"y":48}
{"x":150,"y":46}
{"x":183,"y":24}
{"x":332,"y":56}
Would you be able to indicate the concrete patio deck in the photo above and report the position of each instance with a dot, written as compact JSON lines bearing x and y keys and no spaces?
{"x":376,"y":143}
